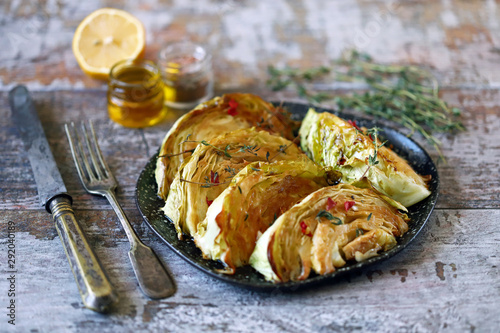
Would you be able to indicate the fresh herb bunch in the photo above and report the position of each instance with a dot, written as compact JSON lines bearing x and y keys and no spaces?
{"x":407,"y":95}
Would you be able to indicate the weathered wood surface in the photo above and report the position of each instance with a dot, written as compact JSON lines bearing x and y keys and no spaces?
{"x":447,"y":280}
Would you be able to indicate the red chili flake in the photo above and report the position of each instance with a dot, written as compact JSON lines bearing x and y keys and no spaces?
{"x":209,"y":202}
{"x":214,"y":177}
{"x":303,"y":225}
{"x":330,"y":203}
{"x":304,"y":229}
{"x":341,"y":161}
{"x":348,"y":205}
{"x":232,"y":107}
{"x":232,"y":103}
{"x":353,"y":123}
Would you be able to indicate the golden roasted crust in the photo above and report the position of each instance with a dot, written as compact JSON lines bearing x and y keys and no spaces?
{"x":256,"y":197}
{"x":329,"y":227}
{"x":213,"y":118}
{"x":209,"y":170}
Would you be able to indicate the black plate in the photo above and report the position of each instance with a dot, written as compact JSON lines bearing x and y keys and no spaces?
{"x":149,"y":205}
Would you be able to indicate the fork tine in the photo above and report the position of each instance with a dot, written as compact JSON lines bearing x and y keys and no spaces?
{"x":104,"y":165}
{"x":91,"y":147}
{"x":90,"y":172}
{"x":75,"y":152}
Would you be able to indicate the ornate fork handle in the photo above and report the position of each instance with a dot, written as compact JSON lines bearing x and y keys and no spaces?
{"x":150,"y":273}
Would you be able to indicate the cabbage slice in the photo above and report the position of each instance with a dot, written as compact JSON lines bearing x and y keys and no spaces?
{"x":213,"y":118}
{"x":325,"y":230}
{"x":259,"y":194}
{"x":208,"y":171}
{"x":331,"y":141}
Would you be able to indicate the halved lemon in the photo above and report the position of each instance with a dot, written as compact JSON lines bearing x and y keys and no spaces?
{"x":105,"y":37}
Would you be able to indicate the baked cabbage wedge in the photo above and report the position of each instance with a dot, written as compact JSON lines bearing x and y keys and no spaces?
{"x":257,"y":195}
{"x":213,"y":118}
{"x":209,"y":170}
{"x":332,"y":141}
{"x":325,"y":230}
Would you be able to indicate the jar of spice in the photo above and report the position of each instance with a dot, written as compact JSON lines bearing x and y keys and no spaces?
{"x":135,"y":94}
{"x":187,"y":74}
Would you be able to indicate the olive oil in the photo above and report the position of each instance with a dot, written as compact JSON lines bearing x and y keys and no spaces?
{"x":135,"y":94}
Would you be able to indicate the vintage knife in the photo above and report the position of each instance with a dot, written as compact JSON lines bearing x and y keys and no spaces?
{"x":95,"y":289}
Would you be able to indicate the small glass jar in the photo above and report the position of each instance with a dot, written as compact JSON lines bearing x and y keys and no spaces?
{"x":187,"y":74}
{"x":135,"y":94}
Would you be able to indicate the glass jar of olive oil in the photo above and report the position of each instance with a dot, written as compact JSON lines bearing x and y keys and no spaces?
{"x":187,"y":74}
{"x":135,"y":94}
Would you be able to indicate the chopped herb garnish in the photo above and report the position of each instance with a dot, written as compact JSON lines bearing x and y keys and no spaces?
{"x":206,"y":143}
{"x":249,"y":149}
{"x":231,"y":171}
{"x":213,"y":180}
{"x":359,"y":232}
{"x":333,"y":219}
{"x":369,"y":217}
{"x":282,"y":148}
{"x":226,"y":149}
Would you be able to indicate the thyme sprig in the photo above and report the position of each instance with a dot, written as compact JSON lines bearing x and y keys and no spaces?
{"x":407,"y":95}
{"x":249,"y":149}
{"x":205,"y":184}
{"x":282,"y":148}
{"x":373,"y":159}
{"x":213,"y":179}
{"x":232,"y":171}
{"x":225,"y":151}
{"x":176,"y":154}
{"x":240,"y":149}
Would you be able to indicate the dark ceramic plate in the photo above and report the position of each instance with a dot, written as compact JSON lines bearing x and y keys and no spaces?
{"x":149,"y":205}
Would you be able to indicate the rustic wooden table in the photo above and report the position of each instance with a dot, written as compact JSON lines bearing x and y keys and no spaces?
{"x":447,"y":280}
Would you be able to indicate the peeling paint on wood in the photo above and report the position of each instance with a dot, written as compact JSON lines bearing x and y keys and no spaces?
{"x":456,"y":38}
{"x":447,"y":280}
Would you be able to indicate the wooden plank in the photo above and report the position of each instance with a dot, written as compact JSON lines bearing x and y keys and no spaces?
{"x":473,"y":156}
{"x":458,"y":39}
{"x":446,"y":280}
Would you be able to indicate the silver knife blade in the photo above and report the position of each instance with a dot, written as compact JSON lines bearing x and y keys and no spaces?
{"x":47,"y":176}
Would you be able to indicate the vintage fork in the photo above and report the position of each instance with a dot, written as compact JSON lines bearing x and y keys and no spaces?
{"x":97,"y":179}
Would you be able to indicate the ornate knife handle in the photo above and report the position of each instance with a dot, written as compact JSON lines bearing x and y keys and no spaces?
{"x":95,"y":289}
